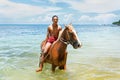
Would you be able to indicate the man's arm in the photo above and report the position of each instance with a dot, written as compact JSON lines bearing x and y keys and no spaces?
{"x":48,"y":33}
{"x":60,"y":31}
{"x":60,"y":28}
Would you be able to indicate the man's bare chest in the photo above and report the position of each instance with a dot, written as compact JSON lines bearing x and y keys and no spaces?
{"x":54,"y":31}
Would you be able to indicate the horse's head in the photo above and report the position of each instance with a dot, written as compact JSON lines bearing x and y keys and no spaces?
{"x":71,"y":37}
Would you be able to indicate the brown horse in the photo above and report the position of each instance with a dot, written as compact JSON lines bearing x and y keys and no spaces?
{"x":57,"y":54}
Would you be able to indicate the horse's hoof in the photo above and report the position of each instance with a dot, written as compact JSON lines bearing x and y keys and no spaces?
{"x":39,"y":69}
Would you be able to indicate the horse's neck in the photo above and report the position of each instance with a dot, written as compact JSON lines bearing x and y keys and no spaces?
{"x":62,"y":33}
{"x":62,"y":46}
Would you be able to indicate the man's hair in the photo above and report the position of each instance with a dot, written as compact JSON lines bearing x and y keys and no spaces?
{"x":54,"y":16}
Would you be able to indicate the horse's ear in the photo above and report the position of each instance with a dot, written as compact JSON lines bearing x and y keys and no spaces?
{"x":71,"y":23}
{"x":65,"y":25}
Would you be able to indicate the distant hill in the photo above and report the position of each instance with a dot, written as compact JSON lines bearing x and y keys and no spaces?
{"x":116,"y":23}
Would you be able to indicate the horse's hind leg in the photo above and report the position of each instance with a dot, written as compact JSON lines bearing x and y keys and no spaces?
{"x":53,"y":67}
{"x":61,"y":67}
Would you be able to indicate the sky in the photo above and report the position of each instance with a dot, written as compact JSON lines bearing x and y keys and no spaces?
{"x":68,"y":11}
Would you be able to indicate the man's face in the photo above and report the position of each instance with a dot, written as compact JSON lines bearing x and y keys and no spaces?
{"x":55,"y":20}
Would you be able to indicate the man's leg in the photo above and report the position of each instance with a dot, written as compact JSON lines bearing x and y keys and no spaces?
{"x":46,"y":48}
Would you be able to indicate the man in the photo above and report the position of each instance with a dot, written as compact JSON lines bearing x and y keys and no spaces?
{"x":52,"y":35}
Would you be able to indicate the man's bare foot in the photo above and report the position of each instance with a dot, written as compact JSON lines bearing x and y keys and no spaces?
{"x":39,"y":69}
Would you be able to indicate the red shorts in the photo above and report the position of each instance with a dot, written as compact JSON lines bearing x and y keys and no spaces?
{"x":51,"y":39}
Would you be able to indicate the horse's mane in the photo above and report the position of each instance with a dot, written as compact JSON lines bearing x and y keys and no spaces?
{"x":60,"y":33}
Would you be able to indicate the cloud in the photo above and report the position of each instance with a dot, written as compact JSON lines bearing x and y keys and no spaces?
{"x":17,"y":10}
{"x":99,"y":19}
{"x":46,"y":18}
{"x":92,"y":6}
{"x":41,"y":19}
{"x":12,"y":12}
{"x":54,"y":1}
{"x":63,"y":18}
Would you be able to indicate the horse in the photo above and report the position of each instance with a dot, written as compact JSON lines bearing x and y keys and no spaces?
{"x":57,"y":54}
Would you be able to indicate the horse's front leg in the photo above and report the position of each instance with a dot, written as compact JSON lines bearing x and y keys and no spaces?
{"x":65,"y":60}
{"x":61,"y":67}
{"x":53,"y":67}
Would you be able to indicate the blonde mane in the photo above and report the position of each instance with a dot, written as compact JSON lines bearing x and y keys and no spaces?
{"x":60,"y":33}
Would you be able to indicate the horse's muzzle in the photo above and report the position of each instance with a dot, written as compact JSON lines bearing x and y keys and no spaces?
{"x":76,"y":45}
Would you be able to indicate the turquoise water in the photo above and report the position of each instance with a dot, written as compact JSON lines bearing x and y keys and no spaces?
{"x":98,"y":59}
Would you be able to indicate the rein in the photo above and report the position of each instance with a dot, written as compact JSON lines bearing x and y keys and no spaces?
{"x":65,"y":42}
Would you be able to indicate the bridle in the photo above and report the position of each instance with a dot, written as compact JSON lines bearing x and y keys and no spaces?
{"x":66,"y":41}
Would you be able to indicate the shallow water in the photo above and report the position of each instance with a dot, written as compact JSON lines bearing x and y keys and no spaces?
{"x":98,"y":59}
